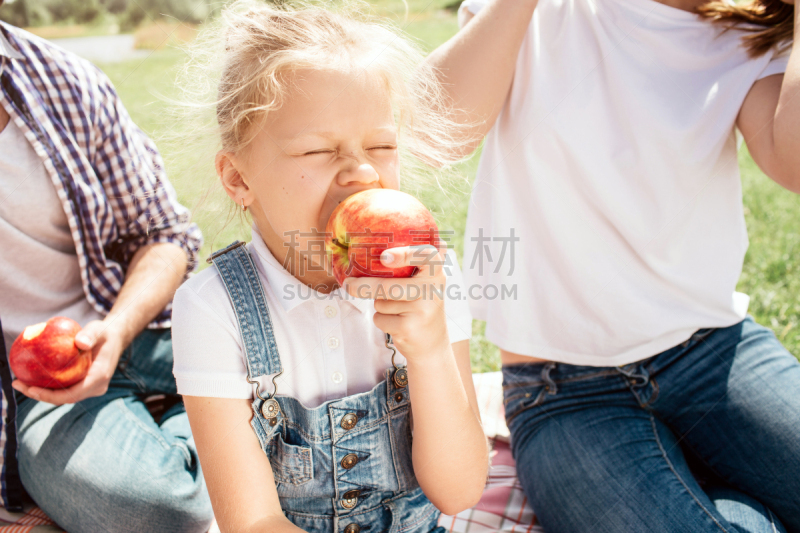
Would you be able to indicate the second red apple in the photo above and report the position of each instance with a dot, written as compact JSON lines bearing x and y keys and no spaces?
{"x":45,"y":355}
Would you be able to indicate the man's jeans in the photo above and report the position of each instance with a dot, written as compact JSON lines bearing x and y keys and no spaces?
{"x":103,"y":464}
{"x":610,"y":449}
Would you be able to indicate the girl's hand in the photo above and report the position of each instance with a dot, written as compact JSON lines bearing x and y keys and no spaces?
{"x":411,"y":309}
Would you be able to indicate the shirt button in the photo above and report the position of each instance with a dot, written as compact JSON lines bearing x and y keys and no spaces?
{"x":330,"y":311}
{"x":333,"y":343}
{"x":352,"y":528}
{"x":337,"y":377}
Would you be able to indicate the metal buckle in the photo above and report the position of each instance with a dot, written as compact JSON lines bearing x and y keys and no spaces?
{"x":400,"y":374}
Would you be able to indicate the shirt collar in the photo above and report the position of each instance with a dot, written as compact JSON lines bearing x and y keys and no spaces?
{"x":288,"y":289}
{"x":6,"y":50}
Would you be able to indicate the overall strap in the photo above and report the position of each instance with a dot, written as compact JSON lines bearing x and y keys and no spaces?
{"x":238,"y":273}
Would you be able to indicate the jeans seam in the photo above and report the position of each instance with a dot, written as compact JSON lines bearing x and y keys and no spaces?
{"x":160,"y":438}
{"x":679,"y":478}
{"x":771,"y":519}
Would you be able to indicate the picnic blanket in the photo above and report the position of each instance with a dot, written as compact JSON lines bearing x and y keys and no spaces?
{"x":503,"y":507}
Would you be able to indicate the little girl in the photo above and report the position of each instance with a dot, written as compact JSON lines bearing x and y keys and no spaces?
{"x":313,"y":107}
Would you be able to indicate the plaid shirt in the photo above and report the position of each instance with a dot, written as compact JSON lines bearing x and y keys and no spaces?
{"x":106,"y":171}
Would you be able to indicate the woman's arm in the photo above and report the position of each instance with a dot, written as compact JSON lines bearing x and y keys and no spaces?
{"x":770,"y":120}
{"x":237,"y":472}
{"x":477,"y":65}
{"x":449,"y":448}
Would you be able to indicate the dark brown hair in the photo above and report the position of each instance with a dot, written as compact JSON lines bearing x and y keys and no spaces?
{"x":769,"y":23}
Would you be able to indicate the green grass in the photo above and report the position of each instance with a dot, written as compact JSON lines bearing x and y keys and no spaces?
{"x":771,"y":267}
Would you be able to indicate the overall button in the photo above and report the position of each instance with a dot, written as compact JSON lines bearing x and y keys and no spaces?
{"x":350,"y":499}
{"x":270,"y":408}
{"x":330,"y":311}
{"x":349,"y":421}
{"x":349,"y":461}
{"x":352,"y":528}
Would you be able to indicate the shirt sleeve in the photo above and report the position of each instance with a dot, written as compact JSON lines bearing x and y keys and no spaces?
{"x":456,"y":307}
{"x":777,"y":65}
{"x":469,"y":6}
{"x":144,"y":204}
{"x":206,"y":344}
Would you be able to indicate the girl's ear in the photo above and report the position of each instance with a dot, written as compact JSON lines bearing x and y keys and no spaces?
{"x":232,"y":181}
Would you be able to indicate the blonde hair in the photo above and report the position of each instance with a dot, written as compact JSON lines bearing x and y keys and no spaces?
{"x":247,"y":54}
{"x":769,"y":24}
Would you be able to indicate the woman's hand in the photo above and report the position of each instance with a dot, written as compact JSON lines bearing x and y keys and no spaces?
{"x":411,"y":309}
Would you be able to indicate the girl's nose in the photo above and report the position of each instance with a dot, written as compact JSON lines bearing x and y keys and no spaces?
{"x":358,"y":173}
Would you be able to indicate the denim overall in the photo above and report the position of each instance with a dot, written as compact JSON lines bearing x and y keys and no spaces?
{"x":344,"y":466}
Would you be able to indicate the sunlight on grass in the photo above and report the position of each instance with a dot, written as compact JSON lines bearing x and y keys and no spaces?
{"x":162,"y":34}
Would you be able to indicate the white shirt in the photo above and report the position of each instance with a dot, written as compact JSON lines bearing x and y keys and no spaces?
{"x":329,"y":346}
{"x":39,"y":272}
{"x":614,"y":162}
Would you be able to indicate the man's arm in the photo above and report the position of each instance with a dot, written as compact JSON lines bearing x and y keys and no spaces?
{"x":155,"y":273}
{"x":770,"y":120}
{"x":143,"y":202}
{"x":477,"y":65}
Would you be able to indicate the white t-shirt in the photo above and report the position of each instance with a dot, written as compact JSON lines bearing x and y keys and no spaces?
{"x":329,"y":346}
{"x":614,"y":162}
{"x":40,"y":276}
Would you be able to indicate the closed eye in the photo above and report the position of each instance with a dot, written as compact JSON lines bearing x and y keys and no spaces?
{"x":387,"y":147}
{"x":319,"y":152}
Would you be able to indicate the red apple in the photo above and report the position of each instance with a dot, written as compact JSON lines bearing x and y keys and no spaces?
{"x":367,"y":223}
{"x":45,"y":355}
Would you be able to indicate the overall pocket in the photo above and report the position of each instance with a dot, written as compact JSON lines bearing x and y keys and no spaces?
{"x":291,"y":463}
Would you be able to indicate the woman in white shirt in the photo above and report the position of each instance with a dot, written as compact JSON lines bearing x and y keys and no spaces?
{"x":610,"y":173}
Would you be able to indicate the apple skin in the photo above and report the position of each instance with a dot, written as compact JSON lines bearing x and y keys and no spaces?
{"x":365,"y":224}
{"x":45,"y":355}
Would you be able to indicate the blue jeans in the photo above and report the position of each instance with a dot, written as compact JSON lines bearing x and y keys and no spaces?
{"x":702,"y":437}
{"x":104,"y":464}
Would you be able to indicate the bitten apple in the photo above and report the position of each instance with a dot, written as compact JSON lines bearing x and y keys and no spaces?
{"x":367,"y":223}
{"x":45,"y":355}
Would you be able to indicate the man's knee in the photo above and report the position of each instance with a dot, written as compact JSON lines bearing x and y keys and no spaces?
{"x":84,"y":503}
{"x":181,"y":506}
{"x":74,"y":465}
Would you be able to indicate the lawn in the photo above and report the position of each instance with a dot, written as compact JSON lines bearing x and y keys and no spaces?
{"x":771,"y":267}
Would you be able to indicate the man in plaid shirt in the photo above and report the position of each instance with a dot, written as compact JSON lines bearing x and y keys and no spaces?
{"x":91,"y":229}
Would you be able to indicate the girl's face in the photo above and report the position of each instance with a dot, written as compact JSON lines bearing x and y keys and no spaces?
{"x":333,"y":136}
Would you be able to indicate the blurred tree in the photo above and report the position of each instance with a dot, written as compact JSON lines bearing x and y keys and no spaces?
{"x":130,"y":13}
{"x":116,"y":7}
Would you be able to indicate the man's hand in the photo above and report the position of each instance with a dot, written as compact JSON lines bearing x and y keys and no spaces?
{"x":107,"y":344}
{"x":154,"y":275}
